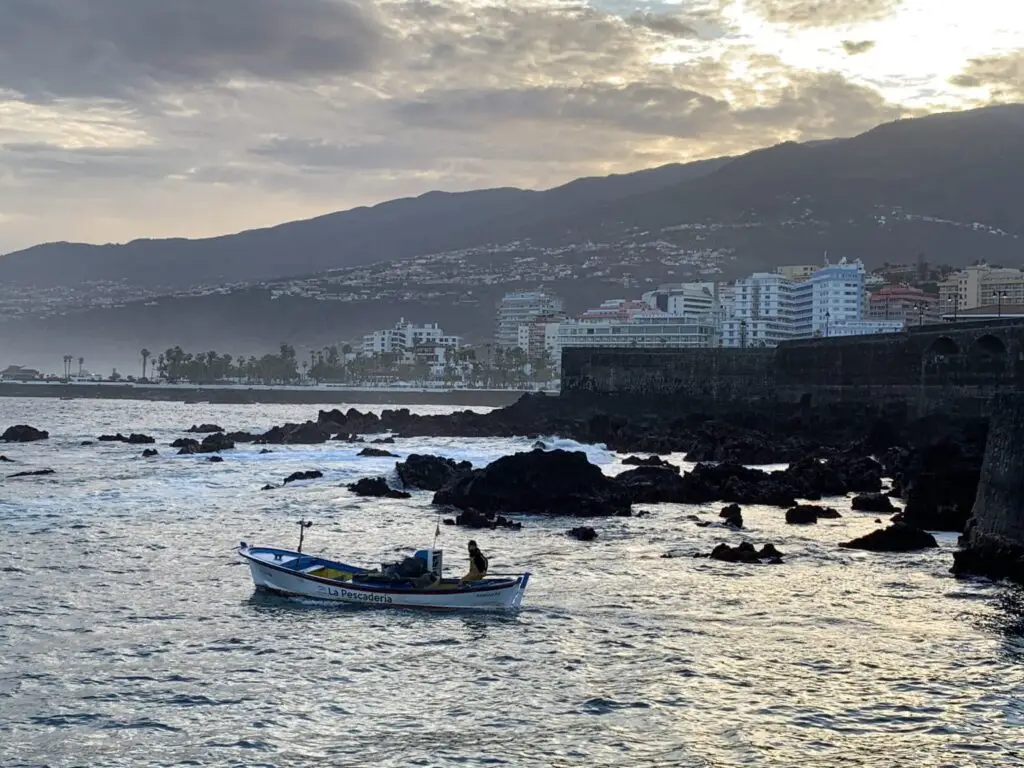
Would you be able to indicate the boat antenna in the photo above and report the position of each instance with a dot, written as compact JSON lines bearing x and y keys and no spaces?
{"x":303,"y":525}
{"x":437,"y":529}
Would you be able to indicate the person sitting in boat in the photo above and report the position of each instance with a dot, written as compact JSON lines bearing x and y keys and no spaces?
{"x":477,"y":563}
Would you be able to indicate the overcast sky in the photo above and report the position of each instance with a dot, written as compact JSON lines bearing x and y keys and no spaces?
{"x":150,"y":118}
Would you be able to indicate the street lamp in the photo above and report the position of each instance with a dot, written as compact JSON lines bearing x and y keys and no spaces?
{"x":999,"y":302}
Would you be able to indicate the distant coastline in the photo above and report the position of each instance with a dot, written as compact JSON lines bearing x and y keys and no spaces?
{"x":240,"y":394}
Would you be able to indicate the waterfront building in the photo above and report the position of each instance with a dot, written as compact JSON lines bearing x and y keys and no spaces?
{"x":981,"y":286}
{"x":539,"y":339}
{"x":903,"y":303}
{"x":769,"y":308}
{"x":798,"y":272}
{"x":643,"y":329}
{"x":697,"y":301}
{"x":521,"y":308}
{"x":410,"y":342}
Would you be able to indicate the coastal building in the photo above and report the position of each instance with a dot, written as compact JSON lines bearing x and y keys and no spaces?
{"x":798,"y":272}
{"x":769,"y":308}
{"x":19,"y":373}
{"x":643,"y":329}
{"x":521,"y":308}
{"x":980,"y":286}
{"x":986,"y":313}
{"x":410,"y":342}
{"x":539,"y":339}
{"x":693,"y":300}
{"x":903,"y":303}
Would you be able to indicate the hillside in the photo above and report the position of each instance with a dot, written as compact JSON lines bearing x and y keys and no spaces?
{"x":944,"y":187}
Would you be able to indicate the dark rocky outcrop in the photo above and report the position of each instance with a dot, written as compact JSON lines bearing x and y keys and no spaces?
{"x":650,"y":461}
{"x":150,"y":452}
{"x":4,"y":459}
{"x":429,"y":473}
{"x":310,"y":433}
{"x":33,"y":473}
{"x":873,"y":502}
{"x":212,"y":443}
{"x":542,"y":482}
{"x":939,"y":483}
{"x":23,"y":433}
{"x":732,"y":516}
{"x":649,"y":484}
{"x":745,"y":552}
{"x":472,"y":518}
{"x":86,"y":442}
{"x":384,"y":441}
{"x":242,"y":437}
{"x":204,"y":428}
{"x":896,"y":538}
{"x":215,"y":459}
{"x":377,"y":453}
{"x":268,"y":487}
{"x":132,"y":439}
{"x":993,"y":540}
{"x":803,"y":514}
{"x":376,"y":486}
{"x":217,"y":441}
{"x":265,"y":451}
{"x":583,"y":533}
{"x":309,"y":474}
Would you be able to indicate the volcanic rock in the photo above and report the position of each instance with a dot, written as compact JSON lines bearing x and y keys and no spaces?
{"x":939,"y":483}
{"x":583,"y":533}
{"x":204,"y":428}
{"x":744,"y":552}
{"x":32,"y":473}
{"x":431,"y":473}
{"x":265,"y":451}
{"x":654,"y":484}
{"x":132,"y":439}
{"x":650,"y":461}
{"x":23,"y":433}
{"x":472,"y":518}
{"x":216,"y":459}
{"x":242,"y":437}
{"x":377,"y":452}
{"x":5,"y":459}
{"x":731,"y":510}
{"x":309,"y":433}
{"x":376,"y":486}
{"x":898,"y":537}
{"x":149,"y":452}
{"x":384,"y":441}
{"x":545,"y":482}
{"x":309,"y":474}
{"x":803,"y":514}
{"x":873,"y":502}
{"x":268,"y":487}
{"x":217,"y":441}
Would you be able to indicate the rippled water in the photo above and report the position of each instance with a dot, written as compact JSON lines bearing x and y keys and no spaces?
{"x":131,"y":636}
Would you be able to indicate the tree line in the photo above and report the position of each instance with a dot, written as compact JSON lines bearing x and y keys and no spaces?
{"x":488,"y":366}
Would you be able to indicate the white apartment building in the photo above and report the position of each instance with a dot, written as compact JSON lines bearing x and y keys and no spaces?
{"x":981,"y":286}
{"x":643,"y":329}
{"x":697,"y":301}
{"x":410,"y":341}
{"x":521,"y":308}
{"x":769,"y":307}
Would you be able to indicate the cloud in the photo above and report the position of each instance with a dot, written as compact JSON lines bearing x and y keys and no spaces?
{"x":673,"y":26}
{"x":138,"y":118}
{"x":823,"y":13}
{"x":1002,"y":75}
{"x":854,"y":47}
{"x":107,"y":48}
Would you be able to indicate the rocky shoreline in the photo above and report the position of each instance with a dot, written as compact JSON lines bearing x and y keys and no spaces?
{"x":934,"y":463}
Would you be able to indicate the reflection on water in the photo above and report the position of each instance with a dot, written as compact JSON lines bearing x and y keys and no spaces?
{"x":132,"y":636}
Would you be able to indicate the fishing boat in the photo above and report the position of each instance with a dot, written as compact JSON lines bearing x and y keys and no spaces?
{"x":295,"y":574}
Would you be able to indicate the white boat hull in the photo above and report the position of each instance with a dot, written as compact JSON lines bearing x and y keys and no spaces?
{"x":489,"y":595}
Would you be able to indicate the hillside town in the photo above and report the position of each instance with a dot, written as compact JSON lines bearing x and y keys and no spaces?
{"x":532,"y":327}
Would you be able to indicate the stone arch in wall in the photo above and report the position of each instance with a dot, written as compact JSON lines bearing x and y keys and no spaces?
{"x":943,"y":358}
{"x":988,"y":354}
{"x":943,"y":346}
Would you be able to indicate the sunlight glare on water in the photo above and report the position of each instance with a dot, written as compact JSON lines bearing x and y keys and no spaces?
{"x":130,"y":633}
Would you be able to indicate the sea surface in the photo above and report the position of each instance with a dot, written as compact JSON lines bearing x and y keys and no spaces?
{"x":130,"y":634}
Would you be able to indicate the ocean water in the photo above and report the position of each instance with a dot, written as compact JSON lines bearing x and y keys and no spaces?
{"x":130,"y":634}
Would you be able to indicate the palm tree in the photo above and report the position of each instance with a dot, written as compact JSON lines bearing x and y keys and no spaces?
{"x":145,"y":359}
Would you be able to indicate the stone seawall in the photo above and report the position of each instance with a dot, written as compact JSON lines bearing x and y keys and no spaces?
{"x":947,"y":368}
{"x":993,"y":541}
